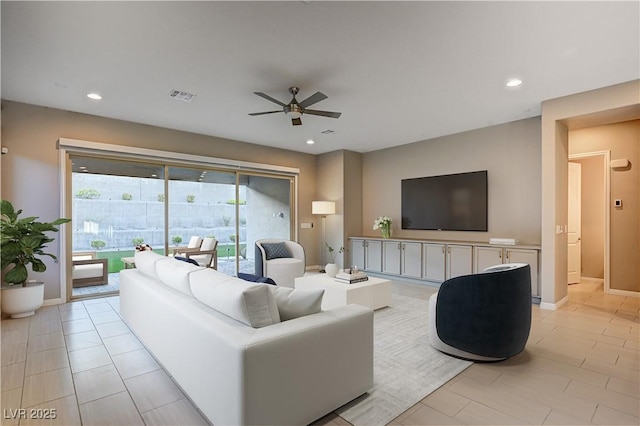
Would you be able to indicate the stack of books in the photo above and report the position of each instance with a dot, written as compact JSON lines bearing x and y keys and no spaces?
{"x":351,"y":278}
{"x":503,"y":241}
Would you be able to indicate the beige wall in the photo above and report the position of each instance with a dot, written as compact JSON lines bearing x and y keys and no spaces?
{"x":30,"y":172}
{"x":623,"y":141}
{"x":592,"y":215}
{"x":509,"y":152}
{"x":330,"y":172}
{"x":607,"y":103}
{"x":340,"y":180}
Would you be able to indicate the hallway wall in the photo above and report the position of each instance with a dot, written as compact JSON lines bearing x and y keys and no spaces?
{"x":593,"y":218}
{"x":623,"y":140}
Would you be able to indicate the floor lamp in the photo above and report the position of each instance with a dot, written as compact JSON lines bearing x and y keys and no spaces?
{"x":323,"y":208}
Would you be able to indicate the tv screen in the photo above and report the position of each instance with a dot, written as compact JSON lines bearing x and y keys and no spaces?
{"x":455,"y":202}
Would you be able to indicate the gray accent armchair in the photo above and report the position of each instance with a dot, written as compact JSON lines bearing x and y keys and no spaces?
{"x":282,"y":270}
{"x":485,"y":316}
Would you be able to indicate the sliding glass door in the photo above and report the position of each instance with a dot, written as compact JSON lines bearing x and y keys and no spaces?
{"x":236,"y":209}
{"x":265,"y":212}
{"x":119,"y":204}
{"x":115,"y":207}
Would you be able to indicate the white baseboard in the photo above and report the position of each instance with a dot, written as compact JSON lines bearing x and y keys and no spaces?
{"x":554,"y":306}
{"x":593,"y":280}
{"x":626,"y":293}
{"x":57,"y":301}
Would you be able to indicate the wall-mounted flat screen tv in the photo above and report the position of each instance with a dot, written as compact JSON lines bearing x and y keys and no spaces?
{"x":455,"y":202}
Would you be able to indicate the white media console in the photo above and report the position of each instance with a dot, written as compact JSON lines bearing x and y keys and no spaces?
{"x":435,"y":261}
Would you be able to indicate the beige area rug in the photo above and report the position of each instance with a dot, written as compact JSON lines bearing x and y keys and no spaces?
{"x":406,"y":367}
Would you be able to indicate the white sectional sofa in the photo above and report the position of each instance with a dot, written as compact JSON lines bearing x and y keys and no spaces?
{"x":230,"y":345}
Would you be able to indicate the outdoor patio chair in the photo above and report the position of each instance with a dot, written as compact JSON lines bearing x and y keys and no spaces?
{"x":87,"y":270}
{"x":206,"y":255}
{"x":194,"y":243}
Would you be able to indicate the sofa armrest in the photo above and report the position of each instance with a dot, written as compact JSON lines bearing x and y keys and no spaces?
{"x":99,"y":278}
{"x":328,"y":355}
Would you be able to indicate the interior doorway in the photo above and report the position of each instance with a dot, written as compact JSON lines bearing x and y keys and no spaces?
{"x":591,"y":218}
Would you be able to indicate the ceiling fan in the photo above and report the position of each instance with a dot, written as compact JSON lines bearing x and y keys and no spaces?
{"x":295,"y":109}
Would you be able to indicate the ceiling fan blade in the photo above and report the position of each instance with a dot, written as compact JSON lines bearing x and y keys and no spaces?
{"x":263,"y":113}
{"x":316,"y":97}
{"x":269,"y":98}
{"x":296,"y":121}
{"x":323,"y":113}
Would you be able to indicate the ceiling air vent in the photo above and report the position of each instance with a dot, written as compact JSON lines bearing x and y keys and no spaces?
{"x":328,"y":131}
{"x":182,"y":96}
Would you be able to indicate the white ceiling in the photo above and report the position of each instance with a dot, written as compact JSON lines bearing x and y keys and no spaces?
{"x":399,"y":72}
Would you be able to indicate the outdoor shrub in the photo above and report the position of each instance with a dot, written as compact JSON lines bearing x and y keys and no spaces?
{"x":126,"y":196}
{"x":191,"y":198}
{"x":137,"y":241}
{"x":233,"y":201}
{"x":177,"y":239}
{"x":226,"y":220}
{"x":98,"y":244}
{"x":232,"y":238}
{"x":88,"y":193}
{"x":161,"y":198}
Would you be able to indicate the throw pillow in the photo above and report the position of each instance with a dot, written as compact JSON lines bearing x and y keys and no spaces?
{"x":256,"y":278}
{"x":294,"y":303}
{"x":184,"y":259}
{"x":276,"y":250}
{"x":249,"y":303}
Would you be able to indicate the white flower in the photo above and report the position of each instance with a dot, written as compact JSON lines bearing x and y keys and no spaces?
{"x":382,"y":222}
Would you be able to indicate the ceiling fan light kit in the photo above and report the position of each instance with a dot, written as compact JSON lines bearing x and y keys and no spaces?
{"x":295,"y":109}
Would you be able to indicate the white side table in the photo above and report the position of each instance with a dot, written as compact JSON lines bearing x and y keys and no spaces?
{"x":375,"y":293}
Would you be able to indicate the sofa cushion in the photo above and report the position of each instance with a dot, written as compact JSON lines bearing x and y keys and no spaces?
{"x":93,"y":270}
{"x":175,"y":274}
{"x":185,"y":259}
{"x":294,"y":303}
{"x":249,"y":303}
{"x":146,"y":262}
{"x":276,"y":250}
{"x":256,"y":278}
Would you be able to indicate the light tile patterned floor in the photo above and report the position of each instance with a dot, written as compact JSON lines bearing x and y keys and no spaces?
{"x":581,"y":366}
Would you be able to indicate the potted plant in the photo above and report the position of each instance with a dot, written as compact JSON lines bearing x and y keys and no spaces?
{"x":332,"y":268}
{"x":22,"y":243}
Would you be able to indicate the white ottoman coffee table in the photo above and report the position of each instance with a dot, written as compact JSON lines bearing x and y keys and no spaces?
{"x":375,"y":293}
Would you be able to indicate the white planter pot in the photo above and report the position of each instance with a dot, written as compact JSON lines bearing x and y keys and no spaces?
{"x":19,"y":301}
{"x":331,"y":269}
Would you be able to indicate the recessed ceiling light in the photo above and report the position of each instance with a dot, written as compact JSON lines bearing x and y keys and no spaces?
{"x":310,"y":142}
{"x":94,"y":96}
{"x":514,"y":82}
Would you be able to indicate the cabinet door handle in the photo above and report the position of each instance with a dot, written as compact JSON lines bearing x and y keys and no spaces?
{"x":442,"y":249}
{"x":400,"y":246}
{"x":500,"y":254}
{"x":508,"y":255}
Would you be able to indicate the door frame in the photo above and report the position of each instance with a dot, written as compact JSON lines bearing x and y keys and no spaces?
{"x":67,"y":147}
{"x":606,"y":159}
{"x":573,"y":275}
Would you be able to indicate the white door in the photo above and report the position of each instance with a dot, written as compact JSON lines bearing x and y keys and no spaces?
{"x":411,"y":260}
{"x":484,"y":257}
{"x":574,"y":252}
{"x":459,"y":260}
{"x":434,"y":261}
{"x":391,"y":257}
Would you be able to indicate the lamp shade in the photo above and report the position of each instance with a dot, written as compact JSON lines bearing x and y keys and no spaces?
{"x":323,"y":207}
